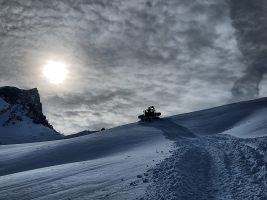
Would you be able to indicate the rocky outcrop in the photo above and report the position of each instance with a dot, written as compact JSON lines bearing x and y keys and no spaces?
{"x":26,"y":100}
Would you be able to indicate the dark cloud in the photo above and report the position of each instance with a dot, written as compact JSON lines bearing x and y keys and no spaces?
{"x":89,"y":98}
{"x":123,"y":56}
{"x":249,"y":19}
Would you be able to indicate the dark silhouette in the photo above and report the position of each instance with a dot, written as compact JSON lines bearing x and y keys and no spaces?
{"x":149,"y":114}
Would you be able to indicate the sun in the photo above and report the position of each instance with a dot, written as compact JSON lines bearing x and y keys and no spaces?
{"x":55,"y":71}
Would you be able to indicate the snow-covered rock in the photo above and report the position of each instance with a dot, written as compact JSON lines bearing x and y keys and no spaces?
{"x":21,"y":117}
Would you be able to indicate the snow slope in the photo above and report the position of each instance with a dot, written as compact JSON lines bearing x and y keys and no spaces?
{"x":243,"y":119}
{"x":187,"y":156}
{"x":87,"y":167}
{"x":3,"y":104}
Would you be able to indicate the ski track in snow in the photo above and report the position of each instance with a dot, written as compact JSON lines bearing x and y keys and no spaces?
{"x":213,"y":167}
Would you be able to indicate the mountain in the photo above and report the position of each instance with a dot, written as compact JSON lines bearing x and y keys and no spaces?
{"x":218,"y":153}
{"x":21,"y":117}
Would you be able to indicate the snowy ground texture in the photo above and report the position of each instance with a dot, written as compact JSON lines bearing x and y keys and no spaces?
{"x":219,"y":153}
{"x":213,"y":167}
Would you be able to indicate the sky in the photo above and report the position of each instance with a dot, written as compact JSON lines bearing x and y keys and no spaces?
{"x":125,"y":55}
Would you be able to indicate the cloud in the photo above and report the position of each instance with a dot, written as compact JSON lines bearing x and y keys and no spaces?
{"x":249,"y":19}
{"x":122,"y":56}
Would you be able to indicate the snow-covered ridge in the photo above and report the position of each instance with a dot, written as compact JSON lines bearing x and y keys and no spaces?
{"x":248,"y":117}
{"x":21,"y":117}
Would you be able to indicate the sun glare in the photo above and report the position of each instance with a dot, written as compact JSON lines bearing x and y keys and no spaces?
{"x":55,"y":71}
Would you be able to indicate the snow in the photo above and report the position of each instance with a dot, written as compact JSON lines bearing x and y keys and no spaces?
{"x":253,"y":126}
{"x":79,"y":167}
{"x":211,"y":154}
{"x":225,"y":119}
{"x":25,"y":131}
{"x":99,"y":145}
{"x":3,"y":104}
{"x":21,"y":130}
{"x":211,"y":167}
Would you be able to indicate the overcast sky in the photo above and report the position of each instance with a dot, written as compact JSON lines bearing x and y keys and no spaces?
{"x":124,"y":55}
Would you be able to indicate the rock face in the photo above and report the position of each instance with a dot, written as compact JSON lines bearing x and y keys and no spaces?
{"x":29,"y":100}
{"x":22,"y":119}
